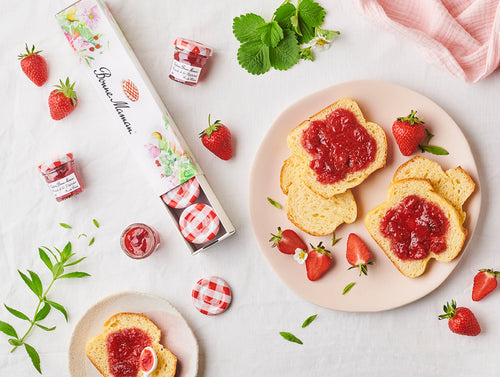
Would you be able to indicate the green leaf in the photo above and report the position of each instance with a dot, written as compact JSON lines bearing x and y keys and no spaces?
{"x":308,"y":321}
{"x":306,"y":31}
{"x":286,"y":53}
{"x":45,"y":328}
{"x":8,"y":329}
{"x":15,"y":342}
{"x":283,"y":14}
{"x":35,"y":359}
{"x":311,"y":13}
{"x":348,"y":287}
{"x":274,"y":203}
{"x":75,"y":262}
{"x":43,"y":313}
{"x":245,"y":27}
{"x":92,"y":240}
{"x":17,"y":313}
{"x":327,"y":34}
{"x":270,"y":33}
{"x":434,"y":150}
{"x":290,"y":337}
{"x":51,"y":252}
{"x":66,"y":253}
{"x":37,"y":283}
{"x":58,"y":307}
{"x":65,"y":226}
{"x":306,"y":54}
{"x":254,"y":57}
{"x":335,"y":239}
{"x":45,"y":259}
{"x":96,"y":223}
{"x":82,"y":235}
{"x":31,"y":285}
{"x":58,"y":269}
{"x":74,"y":275}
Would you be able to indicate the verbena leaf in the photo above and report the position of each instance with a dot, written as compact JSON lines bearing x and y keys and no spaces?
{"x":17,"y":313}
{"x":96,"y":223}
{"x":286,"y":53}
{"x":92,"y":240}
{"x":43,"y":313}
{"x":434,"y":150}
{"x":254,"y":57}
{"x":82,"y":235}
{"x":270,"y":33}
{"x":74,"y":275}
{"x":51,"y":252}
{"x":75,"y":262}
{"x":290,"y":337}
{"x":245,"y":27}
{"x":348,"y":287}
{"x":274,"y":203}
{"x":32,"y":286}
{"x":37,"y":283}
{"x":58,"y":269}
{"x":283,"y":14}
{"x":66,"y":253}
{"x":65,"y":226}
{"x":8,"y":329}
{"x":308,"y":321}
{"x":45,"y":328}
{"x":58,"y":307}
{"x":45,"y":258}
{"x":35,"y":359}
{"x":15,"y":342}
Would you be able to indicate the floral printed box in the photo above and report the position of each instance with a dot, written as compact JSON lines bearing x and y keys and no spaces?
{"x":161,"y":151}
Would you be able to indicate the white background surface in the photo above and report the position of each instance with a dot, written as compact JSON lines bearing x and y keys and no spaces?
{"x":244,"y":341}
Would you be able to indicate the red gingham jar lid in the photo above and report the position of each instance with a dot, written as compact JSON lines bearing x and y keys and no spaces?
{"x":45,"y":167}
{"x":199,"y":223}
{"x":193,"y":46}
{"x":183,"y":195}
{"x":211,"y":295}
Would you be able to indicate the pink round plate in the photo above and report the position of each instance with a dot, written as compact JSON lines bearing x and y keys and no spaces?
{"x":385,"y":287}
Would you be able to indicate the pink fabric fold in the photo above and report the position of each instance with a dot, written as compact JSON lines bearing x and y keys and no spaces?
{"x":462,"y":36}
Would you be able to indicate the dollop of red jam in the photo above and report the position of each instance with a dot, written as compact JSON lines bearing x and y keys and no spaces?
{"x":147,"y":360}
{"x":138,"y":241}
{"x":416,"y":227}
{"x":339,"y":145}
{"x":124,"y":350}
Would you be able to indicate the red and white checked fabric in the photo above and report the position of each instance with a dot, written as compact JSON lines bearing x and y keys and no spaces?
{"x":211,"y":295}
{"x":199,"y":223}
{"x":130,"y":90}
{"x":183,"y":195}
{"x":45,"y":167}
{"x":193,"y":46}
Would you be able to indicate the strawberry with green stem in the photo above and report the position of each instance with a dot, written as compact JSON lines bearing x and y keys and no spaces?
{"x":287,"y":241}
{"x":485,"y":282}
{"x":63,"y":100}
{"x":217,"y":139}
{"x":318,"y":262}
{"x":357,"y":254}
{"x":461,"y":320}
{"x":34,"y":66}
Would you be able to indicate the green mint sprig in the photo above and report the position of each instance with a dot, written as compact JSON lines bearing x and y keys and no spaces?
{"x":277,"y":43}
{"x":57,"y":262}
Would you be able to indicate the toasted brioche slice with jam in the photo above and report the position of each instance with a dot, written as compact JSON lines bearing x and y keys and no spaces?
{"x":455,"y":185}
{"x":98,"y":353}
{"x":398,"y":192}
{"x":309,"y":211}
{"x":294,"y":142}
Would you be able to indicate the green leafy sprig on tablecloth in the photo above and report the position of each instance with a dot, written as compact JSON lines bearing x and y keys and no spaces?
{"x":280,"y":43}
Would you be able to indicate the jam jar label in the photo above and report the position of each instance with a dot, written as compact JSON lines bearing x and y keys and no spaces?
{"x":64,"y":185}
{"x":185,"y":72}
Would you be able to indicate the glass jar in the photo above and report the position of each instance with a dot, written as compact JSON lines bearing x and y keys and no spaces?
{"x":189,"y":61}
{"x":62,"y":177}
{"x":139,"y":241}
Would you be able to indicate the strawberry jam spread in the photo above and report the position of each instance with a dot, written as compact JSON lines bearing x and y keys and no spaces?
{"x":416,"y":227}
{"x":339,"y":145}
{"x":124,"y":350}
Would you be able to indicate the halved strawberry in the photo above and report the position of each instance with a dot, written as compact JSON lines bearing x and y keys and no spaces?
{"x":485,"y":282}
{"x":357,"y":254}
{"x":287,"y":241}
{"x":318,"y":261}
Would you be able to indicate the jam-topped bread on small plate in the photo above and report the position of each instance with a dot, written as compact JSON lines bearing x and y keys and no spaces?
{"x":339,"y":148}
{"x":116,"y":352}
{"x":414,"y":225}
{"x":309,"y":211}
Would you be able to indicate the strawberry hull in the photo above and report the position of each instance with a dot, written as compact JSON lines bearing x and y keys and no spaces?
{"x":140,"y":116}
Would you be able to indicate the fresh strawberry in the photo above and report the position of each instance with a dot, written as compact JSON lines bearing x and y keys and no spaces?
{"x":287,"y":241}
{"x":217,"y":138}
{"x":34,"y":66}
{"x":461,"y":320}
{"x":485,"y":281}
{"x":357,"y":254}
{"x":408,"y":132}
{"x":318,"y":261}
{"x":62,"y":101}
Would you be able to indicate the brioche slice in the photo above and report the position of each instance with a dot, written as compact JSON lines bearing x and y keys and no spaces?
{"x":400,"y":190}
{"x":309,"y":211}
{"x":97,"y":349}
{"x":455,"y":184}
{"x":294,"y":142}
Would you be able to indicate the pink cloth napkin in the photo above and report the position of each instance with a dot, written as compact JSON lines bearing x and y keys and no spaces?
{"x":461,"y":35}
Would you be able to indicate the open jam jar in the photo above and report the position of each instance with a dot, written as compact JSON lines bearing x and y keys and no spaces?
{"x":139,"y":241}
{"x":62,"y":177}
{"x":189,"y":61}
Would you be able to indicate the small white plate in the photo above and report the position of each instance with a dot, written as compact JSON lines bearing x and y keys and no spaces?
{"x":177,"y":336}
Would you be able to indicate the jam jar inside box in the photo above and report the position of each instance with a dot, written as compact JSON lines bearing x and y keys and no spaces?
{"x":189,"y":61}
{"x":62,"y":177}
{"x":139,"y":241}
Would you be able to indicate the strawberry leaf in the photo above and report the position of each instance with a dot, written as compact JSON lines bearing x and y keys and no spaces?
{"x":286,"y":53}
{"x":245,"y":27}
{"x":283,"y":14}
{"x":270,"y":33}
{"x":254,"y":57}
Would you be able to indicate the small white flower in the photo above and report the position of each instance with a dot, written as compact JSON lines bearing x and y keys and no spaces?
{"x":322,"y":39}
{"x":300,"y":256}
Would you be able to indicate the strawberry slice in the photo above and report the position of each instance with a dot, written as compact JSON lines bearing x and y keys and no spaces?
{"x":287,"y":241}
{"x":318,"y":262}
{"x":485,"y":282}
{"x":357,"y":254}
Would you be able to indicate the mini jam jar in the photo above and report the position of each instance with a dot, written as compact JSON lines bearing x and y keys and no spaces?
{"x":139,"y":241}
{"x":189,"y":61}
{"x":62,"y":177}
